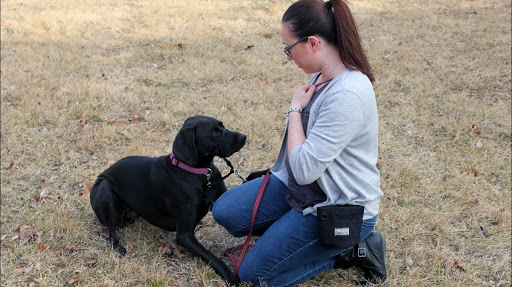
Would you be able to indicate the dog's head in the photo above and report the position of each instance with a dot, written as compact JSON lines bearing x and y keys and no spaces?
{"x":201,"y":138}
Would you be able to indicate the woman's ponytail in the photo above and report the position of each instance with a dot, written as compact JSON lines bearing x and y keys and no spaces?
{"x":349,"y":42}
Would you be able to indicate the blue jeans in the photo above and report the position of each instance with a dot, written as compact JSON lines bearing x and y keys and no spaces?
{"x":288,"y":251}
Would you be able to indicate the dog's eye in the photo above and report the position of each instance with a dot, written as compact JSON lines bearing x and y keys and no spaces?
{"x":215,"y":133}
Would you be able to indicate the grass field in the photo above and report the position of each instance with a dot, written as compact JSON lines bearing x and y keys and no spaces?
{"x":85,"y":83}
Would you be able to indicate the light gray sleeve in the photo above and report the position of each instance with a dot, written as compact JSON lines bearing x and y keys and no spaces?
{"x":339,"y":118}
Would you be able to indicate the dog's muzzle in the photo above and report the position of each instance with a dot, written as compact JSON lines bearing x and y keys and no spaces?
{"x":230,"y":142}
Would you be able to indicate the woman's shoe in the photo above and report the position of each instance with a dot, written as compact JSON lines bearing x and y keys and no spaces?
{"x":370,"y":256}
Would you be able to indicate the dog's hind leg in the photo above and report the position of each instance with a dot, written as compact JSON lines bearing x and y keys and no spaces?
{"x":128,"y":217}
{"x":109,"y":211}
{"x":112,"y":236}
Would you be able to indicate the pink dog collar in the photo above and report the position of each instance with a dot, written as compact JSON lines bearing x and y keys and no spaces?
{"x":176,"y":162}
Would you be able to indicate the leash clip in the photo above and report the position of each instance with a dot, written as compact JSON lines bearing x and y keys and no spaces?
{"x":239,"y":175}
{"x":233,"y":170}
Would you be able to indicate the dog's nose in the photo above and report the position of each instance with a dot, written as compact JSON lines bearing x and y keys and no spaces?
{"x":242,"y":137}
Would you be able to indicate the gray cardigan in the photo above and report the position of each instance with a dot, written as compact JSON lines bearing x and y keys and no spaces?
{"x":341,"y":148}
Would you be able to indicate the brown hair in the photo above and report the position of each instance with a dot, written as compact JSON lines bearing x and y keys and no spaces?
{"x":332,"y":21}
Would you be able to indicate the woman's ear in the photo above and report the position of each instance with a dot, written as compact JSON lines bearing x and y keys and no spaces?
{"x":314,"y":43}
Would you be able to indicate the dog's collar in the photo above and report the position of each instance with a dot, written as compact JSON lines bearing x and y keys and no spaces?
{"x":184,"y":166}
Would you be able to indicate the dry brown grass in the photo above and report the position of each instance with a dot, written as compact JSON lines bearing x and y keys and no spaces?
{"x":87,"y":82}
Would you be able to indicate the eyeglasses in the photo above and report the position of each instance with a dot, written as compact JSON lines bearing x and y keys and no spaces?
{"x":287,"y":49}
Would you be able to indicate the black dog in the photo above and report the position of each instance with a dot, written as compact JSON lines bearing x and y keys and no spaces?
{"x":173,"y":192}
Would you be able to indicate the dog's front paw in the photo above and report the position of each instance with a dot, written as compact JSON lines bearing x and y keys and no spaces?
{"x":121,"y":250}
{"x":233,"y":281}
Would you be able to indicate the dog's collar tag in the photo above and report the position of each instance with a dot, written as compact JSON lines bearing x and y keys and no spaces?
{"x":208,"y":175}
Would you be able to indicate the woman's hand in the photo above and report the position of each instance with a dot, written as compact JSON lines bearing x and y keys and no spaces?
{"x":302,"y":96}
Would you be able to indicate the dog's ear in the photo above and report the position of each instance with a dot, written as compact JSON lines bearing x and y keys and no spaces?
{"x":184,"y":146}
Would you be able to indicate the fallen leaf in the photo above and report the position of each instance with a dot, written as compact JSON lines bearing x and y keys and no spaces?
{"x":27,"y":233}
{"x":457,"y":266}
{"x":434,"y":242}
{"x":471,"y":204}
{"x":249,"y":47}
{"x":170,"y":249}
{"x":69,"y":247}
{"x":84,"y":120}
{"x":92,"y":262}
{"x":135,"y":119}
{"x":10,"y":166}
{"x":86,"y":188}
{"x":74,"y":279}
{"x":177,"y":249}
{"x":41,"y":246}
{"x":473,"y":171}
{"x":61,"y":232}
{"x":164,"y":248}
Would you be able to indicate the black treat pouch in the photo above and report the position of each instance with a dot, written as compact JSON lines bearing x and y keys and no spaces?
{"x":340,"y":225}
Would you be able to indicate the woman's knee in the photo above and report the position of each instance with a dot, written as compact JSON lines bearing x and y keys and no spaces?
{"x":220,"y":213}
{"x":231,"y":211}
{"x":248,"y":272}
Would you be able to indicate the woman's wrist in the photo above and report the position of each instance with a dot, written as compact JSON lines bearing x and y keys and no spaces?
{"x":294,"y":109}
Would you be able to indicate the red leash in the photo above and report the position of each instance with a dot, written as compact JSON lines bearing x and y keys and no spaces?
{"x":246,"y":245}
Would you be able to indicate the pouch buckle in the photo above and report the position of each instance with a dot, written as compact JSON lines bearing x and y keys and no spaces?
{"x":361,"y":252}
